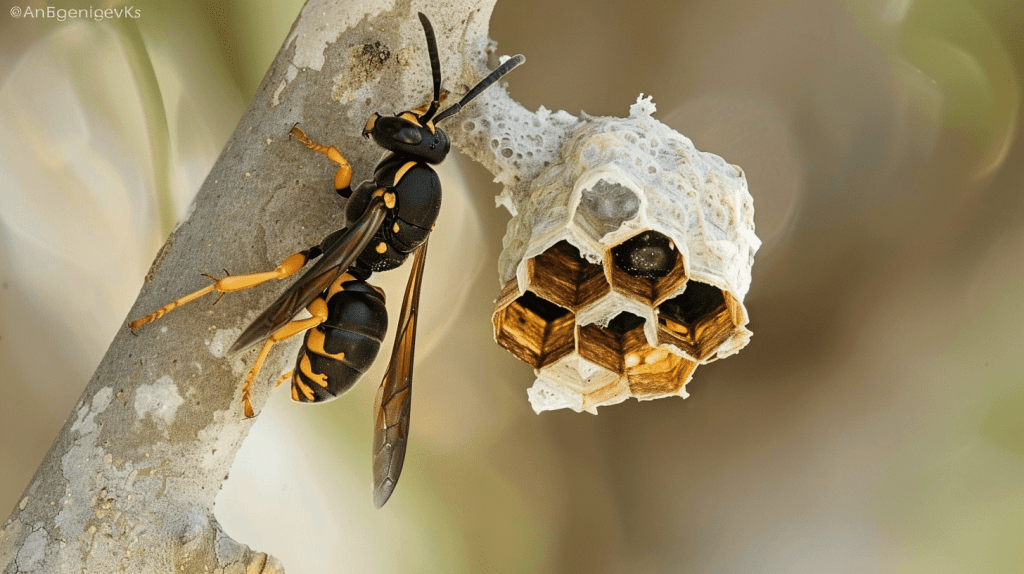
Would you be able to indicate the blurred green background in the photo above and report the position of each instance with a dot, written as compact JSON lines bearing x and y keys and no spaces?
{"x":875,"y":422}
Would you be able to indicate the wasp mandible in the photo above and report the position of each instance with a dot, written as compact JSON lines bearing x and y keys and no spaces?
{"x":392,"y":216}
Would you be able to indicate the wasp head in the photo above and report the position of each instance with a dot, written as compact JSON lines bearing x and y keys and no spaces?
{"x":410,"y":133}
{"x":414,"y":132}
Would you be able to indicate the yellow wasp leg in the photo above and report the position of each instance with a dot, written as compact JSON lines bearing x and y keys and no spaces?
{"x":284,"y":378}
{"x":226,"y":285}
{"x":318,"y":308}
{"x":343,"y":178}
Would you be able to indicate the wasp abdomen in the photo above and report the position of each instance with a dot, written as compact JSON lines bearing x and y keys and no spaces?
{"x":336,"y":353}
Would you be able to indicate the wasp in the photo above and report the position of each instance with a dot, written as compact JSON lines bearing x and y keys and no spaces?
{"x":391,"y":217}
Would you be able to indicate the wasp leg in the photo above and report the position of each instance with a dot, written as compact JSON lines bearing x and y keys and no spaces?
{"x":343,"y":178}
{"x":318,"y":308}
{"x":284,"y":378}
{"x":231,"y":283}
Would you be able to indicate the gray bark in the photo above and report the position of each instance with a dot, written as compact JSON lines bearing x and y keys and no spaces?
{"x":129,"y":484}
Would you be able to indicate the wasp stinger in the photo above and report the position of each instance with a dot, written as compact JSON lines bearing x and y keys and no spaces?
{"x":391,"y":216}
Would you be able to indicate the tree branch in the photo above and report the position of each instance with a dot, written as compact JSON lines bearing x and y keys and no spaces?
{"x":130,"y":482}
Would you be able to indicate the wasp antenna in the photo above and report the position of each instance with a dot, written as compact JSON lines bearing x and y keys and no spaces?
{"x":435,"y":67}
{"x":485,"y":83}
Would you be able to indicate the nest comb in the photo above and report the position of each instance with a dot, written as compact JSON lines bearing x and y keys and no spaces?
{"x":580,"y":302}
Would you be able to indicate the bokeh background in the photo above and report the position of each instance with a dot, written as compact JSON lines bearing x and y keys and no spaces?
{"x":874,"y":424}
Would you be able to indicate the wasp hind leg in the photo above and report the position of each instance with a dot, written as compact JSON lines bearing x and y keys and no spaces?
{"x":318,"y":308}
{"x":290,"y":374}
{"x":230,"y":283}
{"x":343,"y":177}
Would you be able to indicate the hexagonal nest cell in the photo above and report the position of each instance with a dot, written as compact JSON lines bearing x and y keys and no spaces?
{"x":535,"y":330}
{"x":563,"y":277}
{"x":622,"y":348}
{"x":605,"y":347}
{"x":604,"y":207}
{"x":647,"y":267}
{"x":698,"y":320}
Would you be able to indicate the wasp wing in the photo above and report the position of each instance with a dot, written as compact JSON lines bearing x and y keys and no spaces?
{"x":391,"y":408}
{"x":336,"y":259}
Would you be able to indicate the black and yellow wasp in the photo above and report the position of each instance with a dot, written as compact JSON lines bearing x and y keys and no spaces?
{"x":391,"y":217}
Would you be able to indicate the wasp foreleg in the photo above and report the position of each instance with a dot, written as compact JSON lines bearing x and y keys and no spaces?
{"x":343,"y":177}
{"x":231,"y":283}
{"x":318,"y":308}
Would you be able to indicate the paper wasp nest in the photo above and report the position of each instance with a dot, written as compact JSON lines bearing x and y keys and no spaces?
{"x":594,"y":333}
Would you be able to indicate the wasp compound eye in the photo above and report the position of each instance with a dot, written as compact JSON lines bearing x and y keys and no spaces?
{"x":399,"y":130}
{"x":650,"y":255}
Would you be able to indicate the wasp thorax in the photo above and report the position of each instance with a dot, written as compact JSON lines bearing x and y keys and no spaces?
{"x":646,"y":244}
